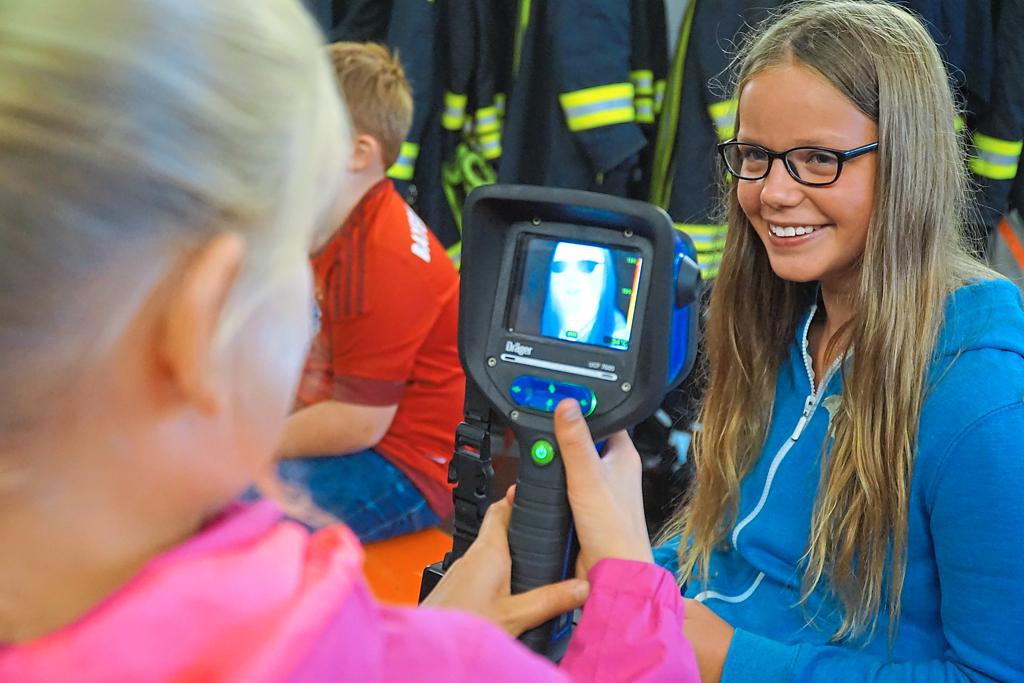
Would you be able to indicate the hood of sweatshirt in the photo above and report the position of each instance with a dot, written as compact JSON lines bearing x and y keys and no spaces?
{"x":983,"y":315}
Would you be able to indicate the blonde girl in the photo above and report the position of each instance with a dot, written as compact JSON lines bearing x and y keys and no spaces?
{"x":165,"y":168}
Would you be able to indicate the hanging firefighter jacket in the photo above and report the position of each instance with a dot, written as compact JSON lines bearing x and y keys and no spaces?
{"x":571,"y":117}
{"x":649,"y":68}
{"x":471,"y":116}
{"x":413,"y":32}
{"x":997,"y":123}
{"x":983,"y":42}
{"x":698,"y":113}
{"x":471,"y":107}
{"x":648,"y":59}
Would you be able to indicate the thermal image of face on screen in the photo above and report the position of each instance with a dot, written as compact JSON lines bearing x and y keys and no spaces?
{"x":578,"y":292}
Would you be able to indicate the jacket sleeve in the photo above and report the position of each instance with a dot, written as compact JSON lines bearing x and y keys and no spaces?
{"x":977,"y":513}
{"x":631,"y":630}
{"x":592,"y":58}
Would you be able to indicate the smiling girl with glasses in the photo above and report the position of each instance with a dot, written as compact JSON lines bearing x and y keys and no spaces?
{"x":858,"y":505}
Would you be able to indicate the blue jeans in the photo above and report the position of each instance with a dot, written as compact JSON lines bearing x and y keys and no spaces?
{"x":364,"y":490}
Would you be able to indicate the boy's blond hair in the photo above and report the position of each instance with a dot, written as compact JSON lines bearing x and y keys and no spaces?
{"x":379,"y":99}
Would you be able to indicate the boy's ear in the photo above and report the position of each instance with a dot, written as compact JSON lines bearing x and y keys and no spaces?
{"x":366,"y":151}
{"x":195,"y":308}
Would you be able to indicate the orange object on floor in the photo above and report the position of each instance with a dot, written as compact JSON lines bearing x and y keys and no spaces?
{"x":394,"y":567}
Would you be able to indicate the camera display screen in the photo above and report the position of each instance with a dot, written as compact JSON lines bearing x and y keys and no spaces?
{"x":576,"y":292}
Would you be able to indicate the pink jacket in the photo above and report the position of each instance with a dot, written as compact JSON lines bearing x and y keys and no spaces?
{"x":253,"y":598}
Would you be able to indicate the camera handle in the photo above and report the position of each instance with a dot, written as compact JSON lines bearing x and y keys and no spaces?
{"x":540,"y":533}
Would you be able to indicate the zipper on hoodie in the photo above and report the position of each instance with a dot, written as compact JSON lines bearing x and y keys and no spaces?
{"x":812,"y":401}
{"x":811,"y":404}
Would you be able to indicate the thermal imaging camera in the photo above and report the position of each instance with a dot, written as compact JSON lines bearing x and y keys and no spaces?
{"x":568,"y":294}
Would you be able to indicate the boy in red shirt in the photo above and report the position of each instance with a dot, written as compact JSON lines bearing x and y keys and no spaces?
{"x":382,"y":390}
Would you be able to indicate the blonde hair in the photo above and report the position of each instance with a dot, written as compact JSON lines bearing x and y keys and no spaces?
{"x":378,"y":96}
{"x":132,"y":132}
{"x":882,"y":59}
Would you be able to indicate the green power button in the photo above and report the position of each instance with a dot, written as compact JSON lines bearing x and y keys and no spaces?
{"x":542,"y":452}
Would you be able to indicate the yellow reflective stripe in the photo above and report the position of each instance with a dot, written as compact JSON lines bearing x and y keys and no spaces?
{"x":708,"y":239}
{"x":487,"y":120}
{"x":659,"y":95}
{"x":643,"y":81}
{"x":399,"y":171}
{"x":490,"y":146}
{"x":405,"y":166}
{"x":958,"y":123}
{"x":499,"y":103}
{"x":995,"y":158}
{"x":597,"y":95}
{"x":603,"y":105}
{"x":987,"y":169}
{"x":454,"y":111}
{"x":723,"y":114}
{"x":703,"y":229}
{"x":991,"y":145}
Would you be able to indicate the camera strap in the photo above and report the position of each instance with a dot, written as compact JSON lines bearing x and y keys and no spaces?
{"x":471,"y":472}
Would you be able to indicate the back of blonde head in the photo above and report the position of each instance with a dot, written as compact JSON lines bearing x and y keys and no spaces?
{"x":881,"y":59}
{"x":132,"y":131}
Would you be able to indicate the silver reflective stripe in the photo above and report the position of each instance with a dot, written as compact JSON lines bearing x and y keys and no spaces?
{"x":584,"y":109}
{"x":997,"y":159}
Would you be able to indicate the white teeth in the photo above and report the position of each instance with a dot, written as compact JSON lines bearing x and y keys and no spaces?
{"x":779,"y":231}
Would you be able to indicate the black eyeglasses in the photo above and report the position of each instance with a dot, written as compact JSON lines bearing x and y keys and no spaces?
{"x":814,"y":166}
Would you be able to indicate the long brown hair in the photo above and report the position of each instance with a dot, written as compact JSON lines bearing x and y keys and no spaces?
{"x":882,"y":59}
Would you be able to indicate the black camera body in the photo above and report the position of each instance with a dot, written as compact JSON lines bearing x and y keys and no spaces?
{"x":568,"y":294}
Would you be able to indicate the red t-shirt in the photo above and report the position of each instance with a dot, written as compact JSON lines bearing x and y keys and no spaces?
{"x":388,"y":297}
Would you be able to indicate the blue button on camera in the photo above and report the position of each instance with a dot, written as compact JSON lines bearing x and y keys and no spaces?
{"x":543,"y":394}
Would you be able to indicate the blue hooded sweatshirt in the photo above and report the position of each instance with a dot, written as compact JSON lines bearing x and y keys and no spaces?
{"x":962,"y":609}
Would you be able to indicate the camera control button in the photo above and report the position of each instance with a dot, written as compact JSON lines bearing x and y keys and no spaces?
{"x":544,"y":394}
{"x":521,"y":390}
{"x":542,"y":452}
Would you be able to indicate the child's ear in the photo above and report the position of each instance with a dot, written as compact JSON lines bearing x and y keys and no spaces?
{"x":365,"y":152}
{"x":186,"y":347}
